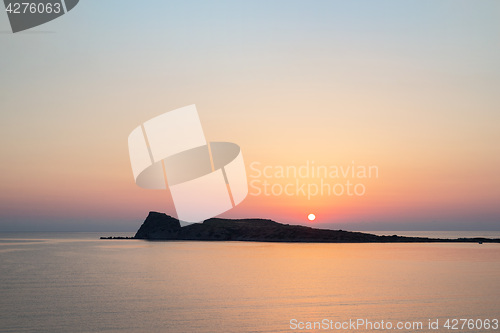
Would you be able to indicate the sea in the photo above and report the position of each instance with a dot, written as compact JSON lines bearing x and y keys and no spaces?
{"x":75,"y":282}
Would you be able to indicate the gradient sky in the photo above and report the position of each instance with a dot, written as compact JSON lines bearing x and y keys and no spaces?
{"x":410,"y":86}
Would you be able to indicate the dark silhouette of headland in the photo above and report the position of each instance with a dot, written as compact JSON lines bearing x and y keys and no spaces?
{"x":159,"y":226}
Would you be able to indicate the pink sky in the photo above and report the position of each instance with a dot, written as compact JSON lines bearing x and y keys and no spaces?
{"x":416,"y":97}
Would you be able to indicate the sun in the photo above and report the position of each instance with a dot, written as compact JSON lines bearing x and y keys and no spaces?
{"x":311,"y":217}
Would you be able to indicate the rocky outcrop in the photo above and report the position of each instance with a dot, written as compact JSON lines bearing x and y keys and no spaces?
{"x":266,"y":231}
{"x":158,"y":226}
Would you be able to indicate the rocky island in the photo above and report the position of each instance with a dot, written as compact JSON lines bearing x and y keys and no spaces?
{"x":159,"y":226}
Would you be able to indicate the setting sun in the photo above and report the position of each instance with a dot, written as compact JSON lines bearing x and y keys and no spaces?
{"x":311,"y":217}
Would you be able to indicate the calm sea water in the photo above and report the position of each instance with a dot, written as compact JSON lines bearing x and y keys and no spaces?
{"x":77,"y":283}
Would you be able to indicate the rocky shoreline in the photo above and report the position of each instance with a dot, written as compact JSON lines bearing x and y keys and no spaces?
{"x":161,"y":227}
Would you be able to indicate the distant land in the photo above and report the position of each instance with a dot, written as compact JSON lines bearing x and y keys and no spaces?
{"x":159,"y":226}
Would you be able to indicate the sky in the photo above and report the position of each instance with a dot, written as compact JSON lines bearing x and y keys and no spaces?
{"x":411,"y":87}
